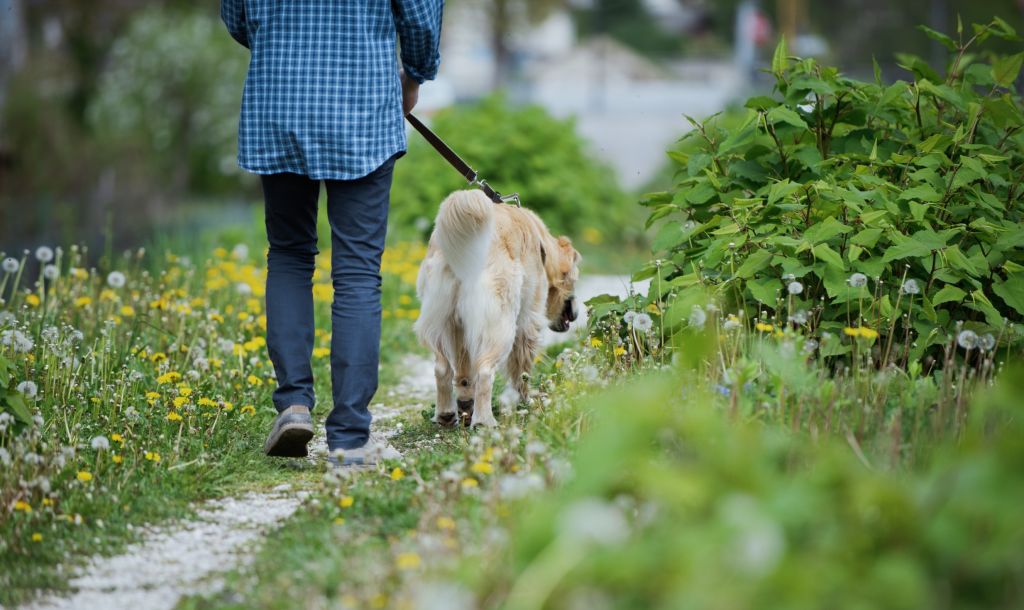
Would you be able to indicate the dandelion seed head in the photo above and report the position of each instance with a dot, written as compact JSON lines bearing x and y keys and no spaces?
{"x":17,"y":340}
{"x":594,"y":520}
{"x":51,"y":272}
{"x":628,"y":317}
{"x":798,"y":318}
{"x":643,"y":322}
{"x":100,"y":443}
{"x":795,"y":288}
{"x":116,"y":279}
{"x":910,"y":287}
{"x":857,"y":280}
{"x":967,"y":339}
{"x":987,"y":342}
{"x":698,"y":317}
{"x":243,"y":288}
{"x":7,"y":318}
{"x":11,"y":265}
{"x":44,"y":254}
{"x":240,"y":252}
{"x":809,"y":346}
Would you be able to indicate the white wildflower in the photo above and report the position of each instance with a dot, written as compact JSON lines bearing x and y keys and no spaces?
{"x":51,"y":272}
{"x":967,"y":339}
{"x":226,"y":346}
{"x":50,"y":334}
{"x":240,"y":252}
{"x":100,"y":443}
{"x":858,"y":280}
{"x":243,"y":288}
{"x":642,"y":322}
{"x":594,"y":520}
{"x":795,"y":288}
{"x":135,"y":376}
{"x":697,"y":317}
{"x":44,"y":254}
{"x":11,"y":265}
{"x":809,"y":346}
{"x":910,"y":287}
{"x":731,"y":323}
{"x":987,"y":342}
{"x":17,"y":340}
{"x":5,"y":457}
{"x":7,"y":318}
{"x":535,"y":447}
{"x":116,"y":279}
{"x":628,"y":317}
{"x":77,"y":336}
{"x":798,"y":318}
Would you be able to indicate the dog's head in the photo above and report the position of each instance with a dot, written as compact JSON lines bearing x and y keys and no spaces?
{"x":563,"y":269}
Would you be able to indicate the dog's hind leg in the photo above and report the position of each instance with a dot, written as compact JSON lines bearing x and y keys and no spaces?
{"x":520,"y":361}
{"x":444,"y":413}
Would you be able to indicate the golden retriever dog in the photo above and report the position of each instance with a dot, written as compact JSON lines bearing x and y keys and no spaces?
{"x":492,"y":279}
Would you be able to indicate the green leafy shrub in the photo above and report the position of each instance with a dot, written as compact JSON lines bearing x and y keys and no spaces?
{"x":515,"y":149}
{"x":674,"y":505}
{"x":896,"y":208}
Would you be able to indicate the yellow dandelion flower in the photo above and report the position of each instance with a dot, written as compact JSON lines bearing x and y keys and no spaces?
{"x":852,"y":332}
{"x":321,"y":352}
{"x":206,"y":402}
{"x":152,"y":456}
{"x":220,"y":252}
{"x":23,"y":506}
{"x":184,"y":390}
{"x":117,"y":438}
{"x":117,"y":459}
{"x":248,"y":410}
{"x":33,"y":300}
{"x":179,"y":402}
{"x":414,"y":314}
{"x":619,"y":351}
{"x":339,"y":521}
{"x":78,"y":273}
{"x":254,"y":380}
{"x":469,"y":482}
{"x":408,"y":561}
{"x":227,"y":406}
{"x":482,"y":468}
{"x":127,"y":311}
{"x":83,"y":302}
{"x":595,"y":342}
{"x":379,"y":600}
{"x":446,"y":523}
{"x":173,"y":416}
{"x":346,"y":501}
{"x":84,"y":476}
{"x":37,"y":537}
{"x":108,"y":295}
{"x":152,"y":397}
{"x":765,"y":328}
{"x":868,"y":333}
{"x":397,"y":474}
{"x":47,"y":502}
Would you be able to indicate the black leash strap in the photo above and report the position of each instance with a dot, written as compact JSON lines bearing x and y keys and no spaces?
{"x":456,"y":161}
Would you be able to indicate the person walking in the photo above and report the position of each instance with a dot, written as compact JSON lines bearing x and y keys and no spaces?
{"x":324,"y":101}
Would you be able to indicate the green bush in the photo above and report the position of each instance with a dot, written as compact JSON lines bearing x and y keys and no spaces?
{"x":515,"y":149}
{"x":897,"y":208}
{"x":674,"y":505}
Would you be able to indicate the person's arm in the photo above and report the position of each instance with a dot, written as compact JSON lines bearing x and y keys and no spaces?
{"x":232,"y":12}
{"x":419,"y":31}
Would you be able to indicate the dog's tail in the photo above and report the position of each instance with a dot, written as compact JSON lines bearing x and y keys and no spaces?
{"x":463,"y":231}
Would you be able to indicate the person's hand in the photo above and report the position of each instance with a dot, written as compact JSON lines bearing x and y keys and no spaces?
{"x":410,"y":93}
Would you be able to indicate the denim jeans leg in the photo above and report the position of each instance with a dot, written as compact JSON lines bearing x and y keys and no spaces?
{"x":290,"y":212}
{"x":358,"y":213}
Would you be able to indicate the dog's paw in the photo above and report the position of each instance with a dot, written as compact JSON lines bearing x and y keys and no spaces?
{"x":446,"y":419}
{"x":486,"y":421}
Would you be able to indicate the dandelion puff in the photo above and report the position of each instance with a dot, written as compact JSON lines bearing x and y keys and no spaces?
{"x":11,"y":265}
{"x":643,"y":322}
{"x":809,"y":346}
{"x":731,"y":323}
{"x":798,"y":318}
{"x":697,"y":317}
{"x":44,"y":254}
{"x":243,"y":288}
{"x":910,"y":287}
{"x":857,"y":280}
{"x":115,"y":279}
{"x":7,"y":318}
{"x":240,"y":252}
{"x":100,"y":443}
{"x":789,"y":277}
{"x":5,"y":457}
{"x":17,"y":340}
{"x":51,"y":272}
{"x":28,"y":388}
{"x":795,"y":288}
{"x":986,"y":342}
{"x":628,"y":317}
{"x":967,"y":339}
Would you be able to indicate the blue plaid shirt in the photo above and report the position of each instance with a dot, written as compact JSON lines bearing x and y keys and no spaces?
{"x":322,"y":97}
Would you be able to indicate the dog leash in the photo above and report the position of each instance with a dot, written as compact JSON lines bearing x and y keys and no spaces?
{"x":460,"y":166}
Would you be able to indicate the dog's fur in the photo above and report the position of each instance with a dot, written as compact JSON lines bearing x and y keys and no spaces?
{"x":492,"y":279}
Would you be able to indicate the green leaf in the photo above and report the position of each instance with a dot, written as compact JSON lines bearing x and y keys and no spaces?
{"x":781,"y":189}
{"x":764,"y":290}
{"x":877,"y":70}
{"x":700,"y":193}
{"x":1006,"y":69}
{"x":948,"y":294}
{"x":921,"y":192}
{"x":16,"y":403}
{"x":825,"y":230}
{"x":830,"y":256}
{"x":1011,"y":291}
{"x":866,"y":237}
{"x":780,"y":60}
{"x":958,"y":260}
{"x":781,"y":114}
{"x":757,"y":261}
{"x":939,"y":37}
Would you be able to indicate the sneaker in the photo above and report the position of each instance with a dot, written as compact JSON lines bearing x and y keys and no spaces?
{"x":374,"y":451}
{"x":291,"y":431}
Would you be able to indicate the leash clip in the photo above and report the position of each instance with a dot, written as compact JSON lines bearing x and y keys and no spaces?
{"x":494,"y":195}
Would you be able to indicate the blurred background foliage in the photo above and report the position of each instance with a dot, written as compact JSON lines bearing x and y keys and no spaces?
{"x":116,"y":116}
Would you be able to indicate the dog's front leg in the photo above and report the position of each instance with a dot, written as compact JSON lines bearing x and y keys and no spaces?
{"x":445,"y":412}
{"x":483,"y":415}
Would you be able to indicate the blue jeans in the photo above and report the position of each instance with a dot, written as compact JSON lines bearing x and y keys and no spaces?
{"x":358,"y":212}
